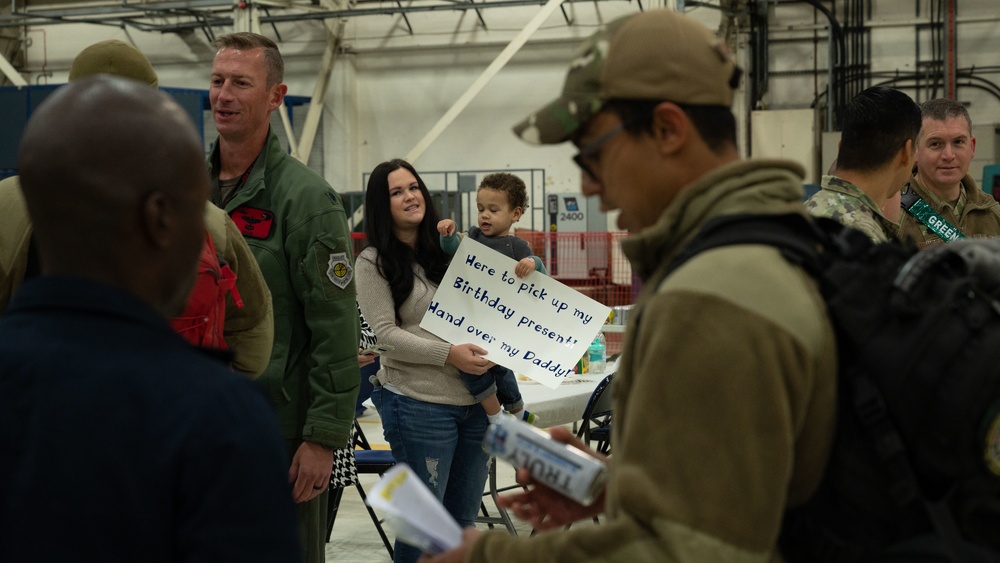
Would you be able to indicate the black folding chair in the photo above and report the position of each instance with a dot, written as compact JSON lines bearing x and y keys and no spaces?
{"x":494,"y":493}
{"x":369,"y":462}
{"x":595,"y":430}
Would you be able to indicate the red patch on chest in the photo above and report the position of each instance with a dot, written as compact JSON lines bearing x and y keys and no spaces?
{"x":253,"y":222}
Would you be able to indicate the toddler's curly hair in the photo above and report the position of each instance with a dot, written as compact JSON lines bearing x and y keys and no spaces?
{"x":517,"y":193}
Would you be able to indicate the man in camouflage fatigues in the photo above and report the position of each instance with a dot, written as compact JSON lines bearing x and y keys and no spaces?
{"x":873,"y":163}
{"x":942,"y":202}
{"x":849,"y":205}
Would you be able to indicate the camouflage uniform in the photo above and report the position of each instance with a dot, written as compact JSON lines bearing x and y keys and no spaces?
{"x":975,"y":214}
{"x":842,"y":201}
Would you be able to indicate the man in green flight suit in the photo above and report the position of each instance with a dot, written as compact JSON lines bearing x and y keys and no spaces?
{"x":296,"y":227}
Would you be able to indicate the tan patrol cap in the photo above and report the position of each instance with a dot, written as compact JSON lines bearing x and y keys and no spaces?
{"x":113,"y":57}
{"x":653,"y":55}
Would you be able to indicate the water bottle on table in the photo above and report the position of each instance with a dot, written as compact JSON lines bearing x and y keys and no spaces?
{"x":598,"y":354}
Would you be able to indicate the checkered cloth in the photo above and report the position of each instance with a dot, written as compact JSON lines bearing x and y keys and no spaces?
{"x":367,"y":334}
{"x":345,"y":472}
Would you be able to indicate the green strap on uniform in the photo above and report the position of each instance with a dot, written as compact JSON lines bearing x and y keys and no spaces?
{"x":926,"y":214}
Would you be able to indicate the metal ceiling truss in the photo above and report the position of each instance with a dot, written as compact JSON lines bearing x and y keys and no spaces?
{"x":177,"y":16}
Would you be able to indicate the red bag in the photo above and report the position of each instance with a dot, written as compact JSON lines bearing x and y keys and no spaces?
{"x":203,"y":320}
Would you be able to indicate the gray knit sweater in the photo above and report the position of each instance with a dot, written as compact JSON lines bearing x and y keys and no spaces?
{"x":416,"y":365}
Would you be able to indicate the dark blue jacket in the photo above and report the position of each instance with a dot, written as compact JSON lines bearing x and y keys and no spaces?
{"x":119,"y":442}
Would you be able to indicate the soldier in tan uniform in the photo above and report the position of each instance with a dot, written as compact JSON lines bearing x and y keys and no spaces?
{"x":724,"y":401}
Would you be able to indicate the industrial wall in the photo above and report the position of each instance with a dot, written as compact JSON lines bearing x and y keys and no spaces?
{"x":390,"y":86}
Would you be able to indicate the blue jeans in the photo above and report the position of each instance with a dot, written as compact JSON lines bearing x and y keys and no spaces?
{"x":499,"y":380}
{"x":443,"y":444}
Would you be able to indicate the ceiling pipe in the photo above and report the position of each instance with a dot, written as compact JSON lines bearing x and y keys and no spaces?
{"x":127,"y":14}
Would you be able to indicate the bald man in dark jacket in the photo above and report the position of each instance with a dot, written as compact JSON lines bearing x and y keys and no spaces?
{"x":120,"y":442}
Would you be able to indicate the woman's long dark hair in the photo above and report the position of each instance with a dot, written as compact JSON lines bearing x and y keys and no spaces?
{"x":395,"y":258}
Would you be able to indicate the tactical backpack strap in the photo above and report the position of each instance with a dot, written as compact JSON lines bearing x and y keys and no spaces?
{"x":908,"y":198}
{"x":34,"y":266}
{"x":904,"y":488}
{"x":808,"y":242}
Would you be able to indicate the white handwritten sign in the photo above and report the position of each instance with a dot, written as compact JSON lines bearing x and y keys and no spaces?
{"x":532,"y":325}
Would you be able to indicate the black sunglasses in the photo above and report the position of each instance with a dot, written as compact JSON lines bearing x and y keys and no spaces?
{"x":593,"y":148}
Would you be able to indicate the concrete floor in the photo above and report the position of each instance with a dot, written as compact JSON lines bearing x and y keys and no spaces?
{"x":354,"y":538}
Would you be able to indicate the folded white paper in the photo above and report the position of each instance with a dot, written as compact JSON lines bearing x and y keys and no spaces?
{"x":414,"y":512}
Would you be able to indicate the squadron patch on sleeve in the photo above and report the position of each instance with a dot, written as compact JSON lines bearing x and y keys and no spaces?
{"x":340,"y":270}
